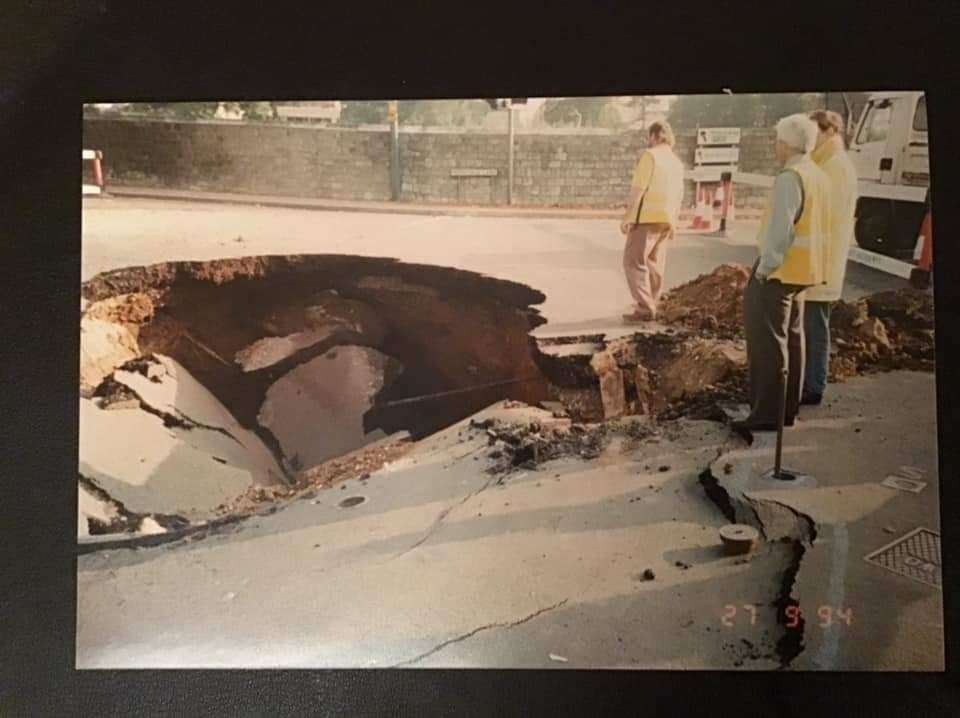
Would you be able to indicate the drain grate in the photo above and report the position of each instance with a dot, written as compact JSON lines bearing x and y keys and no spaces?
{"x":915,"y":555}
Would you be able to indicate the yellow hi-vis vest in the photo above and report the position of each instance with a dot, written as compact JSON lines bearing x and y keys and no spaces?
{"x":805,"y":261}
{"x":659,"y":173}
{"x":832,"y":158}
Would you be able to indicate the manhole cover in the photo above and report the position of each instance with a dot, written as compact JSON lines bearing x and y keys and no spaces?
{"x":915,"y":555}
{"x":352,"y":501}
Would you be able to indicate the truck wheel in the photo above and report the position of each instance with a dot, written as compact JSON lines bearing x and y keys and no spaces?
{"x":873,"y":230}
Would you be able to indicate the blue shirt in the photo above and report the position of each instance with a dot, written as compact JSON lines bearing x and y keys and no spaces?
{"x":780,"y":230}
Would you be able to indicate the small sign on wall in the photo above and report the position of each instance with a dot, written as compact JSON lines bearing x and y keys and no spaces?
{"x":718,"y":136}
{"x":717,"y":155}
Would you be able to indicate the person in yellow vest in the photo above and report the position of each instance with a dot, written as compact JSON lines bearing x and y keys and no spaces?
{"x":792,"y":243}
{"x":830,"y":154}
{"x":651,"y":215}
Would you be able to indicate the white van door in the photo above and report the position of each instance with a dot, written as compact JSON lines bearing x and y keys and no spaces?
{"x":869,"y":146}
{"x":915,"y":168}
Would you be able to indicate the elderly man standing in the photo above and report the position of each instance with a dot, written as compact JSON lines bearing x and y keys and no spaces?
{"x":655,"y":195}
{"x":830,"y":154}
{"x":792,"y":243}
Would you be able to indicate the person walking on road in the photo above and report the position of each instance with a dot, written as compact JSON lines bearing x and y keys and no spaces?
{"x":830,"y":155}
{"x":655,"y":196}
{"x":792,"y":243}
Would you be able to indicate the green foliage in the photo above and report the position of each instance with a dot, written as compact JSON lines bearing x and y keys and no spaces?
{"x":177,"y":110}
{"x":364,"y":112}
{"x":259,"y":111}
{"x":443,"y":113}
{"x":581,"y":112}
{"x":751,"y":110}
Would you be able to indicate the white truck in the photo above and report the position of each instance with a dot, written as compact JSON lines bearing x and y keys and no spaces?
{"x":888,"y":146}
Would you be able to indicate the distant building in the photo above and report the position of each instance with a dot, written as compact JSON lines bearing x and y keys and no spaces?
{"x":325,"y":112}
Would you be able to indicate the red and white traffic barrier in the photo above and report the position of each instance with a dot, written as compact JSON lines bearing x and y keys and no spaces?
{"x":700,"y":218}
{"x":96,"y":157}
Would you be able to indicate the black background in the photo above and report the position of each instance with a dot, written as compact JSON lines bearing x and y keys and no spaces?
{"x":55,"y":56}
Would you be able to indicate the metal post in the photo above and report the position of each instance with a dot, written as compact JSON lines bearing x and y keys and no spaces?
{"x":780,"y":421}
{"x":510,"y":154}
{"x":395,"y":173}
{"x":725,"y":182}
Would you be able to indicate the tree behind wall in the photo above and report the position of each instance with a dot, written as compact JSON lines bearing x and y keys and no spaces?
{"x":581,"y":112}
{"x":751,"y":110}
{"x":177,"y":110}
{"x":364,"y":112}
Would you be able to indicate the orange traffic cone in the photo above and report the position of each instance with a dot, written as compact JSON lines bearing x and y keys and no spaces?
{"x":699,"y":217}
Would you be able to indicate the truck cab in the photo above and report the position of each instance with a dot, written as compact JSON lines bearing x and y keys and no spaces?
{"x":888,"y":146}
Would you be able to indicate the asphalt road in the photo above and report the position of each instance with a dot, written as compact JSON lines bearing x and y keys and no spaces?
{"x":382,"y":593}
{"x":576,"y":263}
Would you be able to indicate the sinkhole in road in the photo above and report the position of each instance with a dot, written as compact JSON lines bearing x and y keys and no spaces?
{"x":316,"y":355}
{"x":319,"y":355}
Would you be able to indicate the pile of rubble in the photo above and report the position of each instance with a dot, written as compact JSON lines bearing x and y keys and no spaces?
{"x":888,"y":330}
{"x":657,"y":375}
{"x":527,"y":444}
{"x":711,"y":304}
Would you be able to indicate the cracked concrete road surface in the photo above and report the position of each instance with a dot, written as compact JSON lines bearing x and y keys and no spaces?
{"x":445,"y":564}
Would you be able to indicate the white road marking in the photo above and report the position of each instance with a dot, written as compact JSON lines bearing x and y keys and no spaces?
{"x":827,"y":655}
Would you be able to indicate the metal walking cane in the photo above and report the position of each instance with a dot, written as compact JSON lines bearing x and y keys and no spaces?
{"x":781,"y":418}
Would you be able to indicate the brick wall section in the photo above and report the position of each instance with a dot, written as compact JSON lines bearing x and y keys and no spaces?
{"x":566,"y":170}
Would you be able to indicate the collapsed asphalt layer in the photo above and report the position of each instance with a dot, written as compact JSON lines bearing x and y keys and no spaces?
{"x":437,"y":345}
{"x":453,"y":343}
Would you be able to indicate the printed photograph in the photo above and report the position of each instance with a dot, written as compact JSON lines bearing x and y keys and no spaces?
{"x":612,"y":382}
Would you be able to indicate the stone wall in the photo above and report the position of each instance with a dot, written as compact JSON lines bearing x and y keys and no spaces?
{"x":234,"y":157}
{"x":551,"y":169}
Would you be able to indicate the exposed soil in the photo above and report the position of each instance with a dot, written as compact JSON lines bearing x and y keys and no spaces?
{"x":450,"y":329}
{"x":712,"y":303}
{"x":882,"y":332}
{"x":885,"y":331}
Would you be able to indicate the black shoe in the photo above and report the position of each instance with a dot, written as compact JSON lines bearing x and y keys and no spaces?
{"x":808,"y":398}
{"x":751,"y":426}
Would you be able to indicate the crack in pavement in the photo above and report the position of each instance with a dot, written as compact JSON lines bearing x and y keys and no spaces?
{"x":801,"y":531}
{"x":475,"y":631}
{"x":443,"y":515}
{"x":178,"y":419}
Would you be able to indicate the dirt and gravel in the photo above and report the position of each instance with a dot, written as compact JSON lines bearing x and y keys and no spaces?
{"x":359,"y":464}
{"x":711,"y":304}
{"x":884,"y":331}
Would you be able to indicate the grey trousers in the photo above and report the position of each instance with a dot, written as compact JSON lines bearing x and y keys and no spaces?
{"x":773,"y":322}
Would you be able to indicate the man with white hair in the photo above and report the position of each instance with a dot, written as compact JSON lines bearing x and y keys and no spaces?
{"x":793,"y":257}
